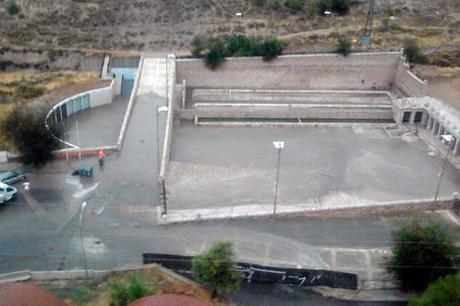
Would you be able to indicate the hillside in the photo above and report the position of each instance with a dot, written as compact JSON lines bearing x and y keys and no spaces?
{"x":154,"y":25}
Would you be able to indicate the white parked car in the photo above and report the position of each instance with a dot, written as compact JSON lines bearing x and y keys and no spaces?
{"x":7,"y":192}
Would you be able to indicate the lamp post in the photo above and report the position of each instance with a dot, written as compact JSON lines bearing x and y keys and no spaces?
{"x":80,"y":225}
{"x":237,"y":14}
{"x":159,"y":109}
{"x":448,"y":139}
{"x":279,"y":145}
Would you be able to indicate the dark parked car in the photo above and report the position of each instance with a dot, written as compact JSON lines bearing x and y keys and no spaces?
{"x":12,"y":177}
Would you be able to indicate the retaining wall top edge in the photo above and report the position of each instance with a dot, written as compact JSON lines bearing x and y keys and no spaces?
{"x":298,"y":56}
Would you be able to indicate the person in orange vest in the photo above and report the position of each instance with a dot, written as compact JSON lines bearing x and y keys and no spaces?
{"x":101,"y":157}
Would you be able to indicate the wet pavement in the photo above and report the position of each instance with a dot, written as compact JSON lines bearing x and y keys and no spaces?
{"x":98,"y":126}
{"x":229,"y":166}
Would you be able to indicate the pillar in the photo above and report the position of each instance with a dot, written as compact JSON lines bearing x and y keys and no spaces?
{"x":412,"y":117}
{"x":456,"y":149}
{"x":433,"y":130}
{"x":430,"y":122}
{"x":440,"y":130}
{"x":425,"y":118}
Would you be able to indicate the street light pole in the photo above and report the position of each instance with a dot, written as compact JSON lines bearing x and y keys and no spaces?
{"x":80,"y":224}
{"x":279,"y":145}
{"x":448,"y":139}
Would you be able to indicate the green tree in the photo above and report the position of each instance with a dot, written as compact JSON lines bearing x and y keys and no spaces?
{"x":11,"y":7}
{"x":413,"y":52}
{"x":271,"y":48}
{"x":33,"y":140}
{"x":216,"y":54}
{"x":343,"y":45}
{"x":216,"y":269}
{"x":443,"y":292}
{"x":294,"y":6}
{"x":421,"y":254}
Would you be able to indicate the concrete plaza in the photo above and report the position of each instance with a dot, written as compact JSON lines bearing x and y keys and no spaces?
{"x":230,"y":166}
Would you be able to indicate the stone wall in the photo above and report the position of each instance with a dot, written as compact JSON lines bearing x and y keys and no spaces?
{"x":408,"y":83}
{"x":358,"y":71}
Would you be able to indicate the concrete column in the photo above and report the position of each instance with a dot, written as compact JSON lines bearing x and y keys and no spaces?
{"x":456,"y":149}
{"x":412,"y":117}
{"x":433,"y":130}
{"x":429,"y":122}
{"x":425,"y":118}
{"x":440,"y":130}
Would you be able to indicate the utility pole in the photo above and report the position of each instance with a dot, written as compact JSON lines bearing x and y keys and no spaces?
{"x":367,"y":36}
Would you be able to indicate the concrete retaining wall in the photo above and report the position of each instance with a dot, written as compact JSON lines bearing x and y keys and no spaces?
{"x":359,"y":71}
{"x":407,"y":82}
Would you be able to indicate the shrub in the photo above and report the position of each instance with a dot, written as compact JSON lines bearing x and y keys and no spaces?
{"x":274,"y":5}
{"x":258,"y":2}
{"x":340,"y":7}
{"x":28,"y":133}
{"x":198,"y":46}
{"x":421,"y":254}
{"x":343,"y":46}
{"x":216,"y":268}
{"x":271,"y":48}
{"x":444,"y":291}
{"x":413,"y":52}
{"x":122,"y":293}
{"x":294,"y":6}
{"x":28,"y":92}
{"x":216,"y":54}
{"x":11,"y":7}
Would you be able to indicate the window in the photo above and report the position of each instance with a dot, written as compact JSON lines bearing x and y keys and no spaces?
{"x":406,"y":117}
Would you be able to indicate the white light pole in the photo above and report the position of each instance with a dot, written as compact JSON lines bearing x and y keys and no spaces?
{"x":80,"y":225}
{"x":448,"y":139}
{"x":159,"y":109}
{"x":279,"y":145}
{"x":237,"y":14}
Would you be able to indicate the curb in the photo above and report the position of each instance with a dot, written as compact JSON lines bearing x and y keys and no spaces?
{"x":363,"y":295}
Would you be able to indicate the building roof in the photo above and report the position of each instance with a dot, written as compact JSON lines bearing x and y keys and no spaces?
{"x":20,"y":294}
{"x":170,"y":300}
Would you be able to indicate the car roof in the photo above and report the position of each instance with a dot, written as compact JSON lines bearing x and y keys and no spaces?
{"x":3,"y":185}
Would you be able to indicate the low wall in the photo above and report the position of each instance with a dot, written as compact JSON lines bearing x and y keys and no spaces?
{"x":407,"y":82}
{"x":358,"y":71}
{"x":173,"y":99}
{"x":129,"y":110}
{"x":266,"y":274}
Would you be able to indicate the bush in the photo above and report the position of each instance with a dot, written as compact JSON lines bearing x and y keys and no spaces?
{"x":122,"y":293}
{"x":445,"y":291}
{"x":340,"y":7}
{"x":11,"y":7}
{"x":198,"y":46}
{"x":216,"y":54}
{"x":271,"y":48}
{"x":413,"y":53}
{"x":27,"y":131}
{"x":236,"y":45}
{"x":343,"y":46}
{"x":421,"y":254}
{"x":294,"y":6}
{"x":28,"y":92}
{"x":274,"y":5}
{"x":216,"y":269}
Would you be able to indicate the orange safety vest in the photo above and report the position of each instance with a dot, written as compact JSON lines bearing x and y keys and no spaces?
{"x":101,"y":154}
